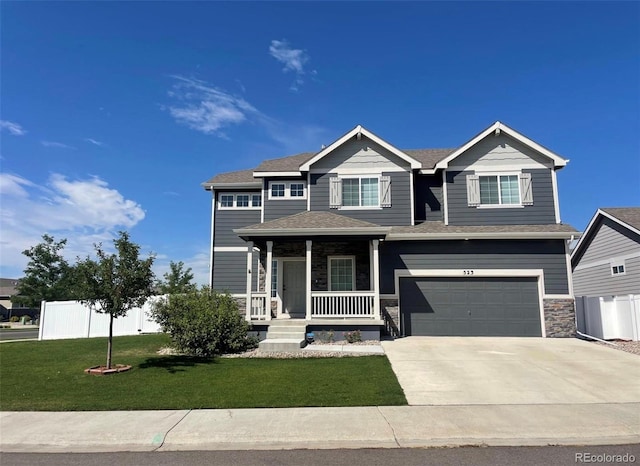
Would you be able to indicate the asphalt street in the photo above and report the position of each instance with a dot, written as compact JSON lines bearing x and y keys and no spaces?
{"x":18,"y":334}
{"x":477,"y":456}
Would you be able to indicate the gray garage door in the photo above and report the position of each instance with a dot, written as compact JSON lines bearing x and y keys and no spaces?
{"x":470,"y":306}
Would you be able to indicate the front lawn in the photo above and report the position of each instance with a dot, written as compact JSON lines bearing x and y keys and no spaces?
{"x":48,"y":376}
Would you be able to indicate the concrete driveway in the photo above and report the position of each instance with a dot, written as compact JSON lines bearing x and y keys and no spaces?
{"x":481,"y":370}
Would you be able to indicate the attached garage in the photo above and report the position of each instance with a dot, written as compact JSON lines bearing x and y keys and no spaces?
{"x":477,"y":306}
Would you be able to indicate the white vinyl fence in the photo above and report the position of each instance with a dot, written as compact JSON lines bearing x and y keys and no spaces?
{"x":71,"y":319}
{"x":609,"y":317}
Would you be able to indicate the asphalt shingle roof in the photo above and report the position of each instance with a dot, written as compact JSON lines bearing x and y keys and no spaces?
{"x":628,"y":215}
{"x":312,"y":221}
{"x":427,"y":157}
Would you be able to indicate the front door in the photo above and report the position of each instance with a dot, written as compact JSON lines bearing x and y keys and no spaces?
{"x":293,"y":289}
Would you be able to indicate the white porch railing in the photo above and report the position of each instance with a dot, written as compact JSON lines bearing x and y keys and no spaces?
{"x":259,"y":306}
{"x":343,"y":304}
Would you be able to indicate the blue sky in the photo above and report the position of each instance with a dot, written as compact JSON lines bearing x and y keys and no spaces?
{"x":113,"y":113}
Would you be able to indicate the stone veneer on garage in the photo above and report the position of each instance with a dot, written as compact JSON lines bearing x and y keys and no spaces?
{"x":559,"y":316}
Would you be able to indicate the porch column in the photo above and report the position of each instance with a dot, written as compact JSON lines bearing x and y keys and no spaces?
{"x":249,"y":278}
{"x":308,"y":280}
{"x":268,"y":278}
{"x":376,"y":279}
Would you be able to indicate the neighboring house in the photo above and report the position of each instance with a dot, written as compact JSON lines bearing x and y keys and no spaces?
{"x":363,"y":235}
{"x":7,"y":308}
{"x":606,"y":274}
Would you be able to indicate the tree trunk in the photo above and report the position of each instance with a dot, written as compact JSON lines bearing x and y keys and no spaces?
{"x":110,"y":341}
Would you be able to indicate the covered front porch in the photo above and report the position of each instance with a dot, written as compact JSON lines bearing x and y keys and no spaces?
{"x":316,"y":274}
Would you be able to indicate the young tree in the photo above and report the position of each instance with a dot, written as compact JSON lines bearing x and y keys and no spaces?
{"x":47,"y":275}
{"x":177,"y":280}
{"x":116,"y":283}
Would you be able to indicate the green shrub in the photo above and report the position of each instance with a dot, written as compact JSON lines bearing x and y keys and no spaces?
{"x":204,"y":323}
{"x":14,"y":319}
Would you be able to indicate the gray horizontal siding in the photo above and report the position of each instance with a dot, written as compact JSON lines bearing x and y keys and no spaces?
{"x":598,"y":281}
{"x":540,"y":213}
{"x":428,"y":198}
{"x":363,"y":154}
{"x":282,"y":208}
{"x":610,"y":240}
{"x":227,"y":220}
{"x":548,"y":255}
{"x":230,"y":272}
{"x":278,"y":208}
{"x":398,"y":214}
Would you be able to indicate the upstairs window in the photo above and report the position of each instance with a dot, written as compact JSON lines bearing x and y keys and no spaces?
{"x":362,"y":192}
{"x":296,"y":189}
{"x":502,"y":189}
{"x":277,"y":190}
{"x":226,"y":200}
{"x":242,"y":200}
{"x":617,"y":268}
{"x":239,"y":201}
{"x":499,"y":190}
{"x":289,"y":190}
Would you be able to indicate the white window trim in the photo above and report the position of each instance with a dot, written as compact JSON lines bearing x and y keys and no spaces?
{"x":359,"y":207}
{"x":235,"y":201}
{"x":501,"y":206}
{"x":353,"y":271}
{"x":618,"y":263}
{"x":287,"y":190}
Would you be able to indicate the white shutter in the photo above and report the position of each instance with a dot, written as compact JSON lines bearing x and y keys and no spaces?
{"x":385,"y":191}
{"x":335,"y":193}
{"x":473,"y":190}
{"x":526,"y":191}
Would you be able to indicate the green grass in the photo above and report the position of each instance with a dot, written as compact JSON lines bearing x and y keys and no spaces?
{"x":48,"y":376}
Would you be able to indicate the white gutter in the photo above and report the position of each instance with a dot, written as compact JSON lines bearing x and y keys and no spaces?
{"x":311,"y":231}
{"x":480,"y":235}
{"x":253,"y":184}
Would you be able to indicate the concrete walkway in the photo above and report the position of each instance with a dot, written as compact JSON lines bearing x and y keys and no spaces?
{"x":313,"y":428}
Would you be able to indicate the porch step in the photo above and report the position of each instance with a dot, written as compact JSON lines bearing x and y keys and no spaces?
{"x":281,"y":344}
{"x":284,"y":336}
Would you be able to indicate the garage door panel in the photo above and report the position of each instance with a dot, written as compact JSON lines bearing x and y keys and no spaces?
{"x":470,"y":306}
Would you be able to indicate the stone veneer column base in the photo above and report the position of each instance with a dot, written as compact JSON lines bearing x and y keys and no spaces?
{"x":560,"y":317}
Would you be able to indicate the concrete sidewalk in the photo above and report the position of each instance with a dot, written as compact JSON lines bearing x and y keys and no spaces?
{"x":313,"y":428}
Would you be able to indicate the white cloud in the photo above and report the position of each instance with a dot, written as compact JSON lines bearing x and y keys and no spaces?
{"x":83,"y":211}
{"x":206,"y":108}
{"x":13,"y":128}
{"x":93,"y":141}
{"x":293,"y":60}
{"x":57,"y":145}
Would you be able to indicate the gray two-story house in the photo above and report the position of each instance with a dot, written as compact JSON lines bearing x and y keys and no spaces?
{"x":365,"y":236}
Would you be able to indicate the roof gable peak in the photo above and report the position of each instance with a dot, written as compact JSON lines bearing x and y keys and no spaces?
{"x":497,"y":129}
{"x":358,"y":132}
